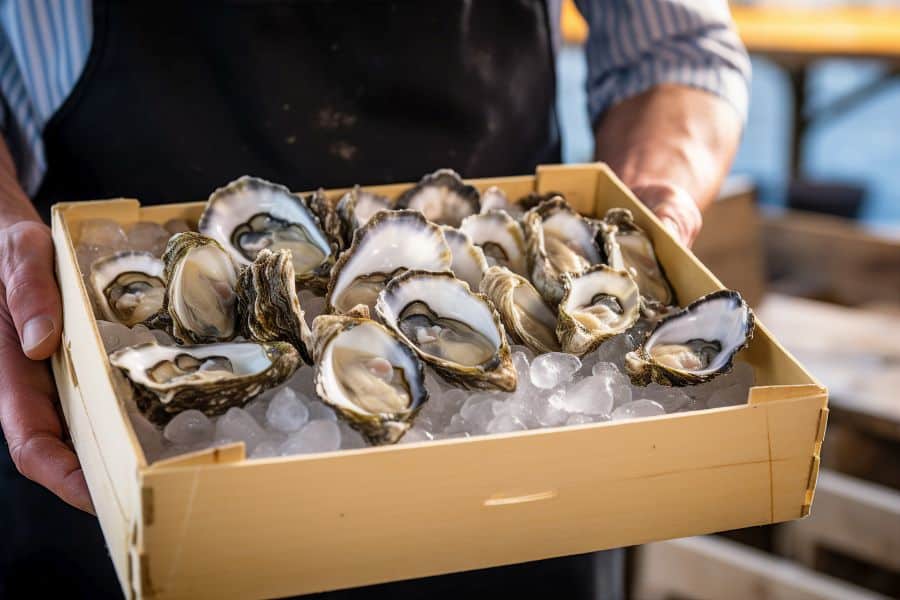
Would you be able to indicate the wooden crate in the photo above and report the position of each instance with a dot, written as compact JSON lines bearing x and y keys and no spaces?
{"x":213,"y":524}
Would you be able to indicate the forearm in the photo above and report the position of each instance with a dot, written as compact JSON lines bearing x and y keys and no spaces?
{"x":671,"y":135}
{"x":14,"y":203}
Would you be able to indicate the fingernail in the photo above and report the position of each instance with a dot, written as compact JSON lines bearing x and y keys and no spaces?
{"x":36,"y":331}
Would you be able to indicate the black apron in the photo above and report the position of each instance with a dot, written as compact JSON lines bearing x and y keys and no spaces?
{"x":175,"y":101}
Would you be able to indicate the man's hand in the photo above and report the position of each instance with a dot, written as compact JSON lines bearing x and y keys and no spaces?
{"x":675,"y":208}
{"x":672,"y":145}
{"x":30,"y":325}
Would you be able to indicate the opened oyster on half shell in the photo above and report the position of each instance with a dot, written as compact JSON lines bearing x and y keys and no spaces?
{"x":526,"y":317}
{"x":597,"y":304}
{"x":628,"y":248}
{"x":695,"y":344}
{"x":455,"y":330}
{"x":128,"y":287}
{"x":559,"y":241}
{"x":371,"y":378}
{"x":468,"y":262}
{"x":356,"y":207}
{"x":442,"y":197}
{"x":250,"y":214}
{"x":390,"y":243}
{"x":201,"y":297}
{"x":500,"y":238}
{"x":211,"y":378}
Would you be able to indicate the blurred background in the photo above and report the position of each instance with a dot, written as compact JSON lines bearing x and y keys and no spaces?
{"x":808,"y":229}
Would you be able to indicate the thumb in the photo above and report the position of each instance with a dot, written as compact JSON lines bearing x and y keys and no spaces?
{"x":32,"y":296}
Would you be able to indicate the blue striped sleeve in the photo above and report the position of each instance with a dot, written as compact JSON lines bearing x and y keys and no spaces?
{"x":635,"y":45}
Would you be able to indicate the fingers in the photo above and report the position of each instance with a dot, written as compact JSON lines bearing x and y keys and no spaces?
{"x":31,"y":424}
{"x":32,"y":296}
{"x":675,"y":208}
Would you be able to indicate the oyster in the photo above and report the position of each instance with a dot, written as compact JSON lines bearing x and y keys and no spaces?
{"x":128,"y":286}
{"x":356,"y":207}
{"x":250,"y":214}
{"x":628,"y":248}
{"x":468,"y":262}
{"x":269,"y":304}
{"x":200,"y":297}
{"x":329,"y":220}
{"x":390,"y":243}
{"x":371,"y":378}
{"x":525,"y":315}
{"x":494,"y":198}
{"x":211,"y":378}
{"x":559,"y":241}
{"x":597,"y":304}
{"x":455,"y":330}
{"x":442,"y":197}
{"x":500,"y":237}
{"x":695,"y":344}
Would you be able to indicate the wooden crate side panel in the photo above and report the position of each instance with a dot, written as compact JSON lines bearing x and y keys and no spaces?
{"x":116,"y":524}
{"x":457,"y":505}
{"x":119,"y":448}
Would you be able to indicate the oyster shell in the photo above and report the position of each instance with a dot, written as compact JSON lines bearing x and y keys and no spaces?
{"x":211,"y":378}
{"x":200,"y":296}
{"x":500,"y":237}
{"x":390,"y":243}
{"x":526,"y":317}
{"x":128,"y":287}
{"x":329,"y":220}
{"x":356,"y":207}
{"x":695,"y":344}
{"x":629,"y":249}
{"x":598,"y":304}
{"x":372,"y":379}
{"x":468,"y":262}
{"x":268,"y":302}
{"x":494,"y":198}
{"x":442,"y":197}
{"x":559,"y":241}
{"x":250,"y":214}
{"x":455,"y":330}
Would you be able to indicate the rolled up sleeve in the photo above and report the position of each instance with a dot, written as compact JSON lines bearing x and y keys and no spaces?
{"x":634,"y":45}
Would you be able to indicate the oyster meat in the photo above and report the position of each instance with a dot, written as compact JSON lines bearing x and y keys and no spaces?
{"x":211,"y":378}
{"x":128,"y":287}
{"x":455,"y":330}
{"x":268,"y":302}
{"x":372,"y":379}
{"x":597,"y":304}
{"x":526,"y":317}
{"x":442,"y":197}
{"x":559,"y":241}
{"x":500,"y":238}
{"x":468,"y":262}
{"x":250,"y":214}
{"x":200,"y":297}
{"x":356,"y":207}
{"x":390,"y":243}
{"x":628,"y":248}
{"x":695,"y":344}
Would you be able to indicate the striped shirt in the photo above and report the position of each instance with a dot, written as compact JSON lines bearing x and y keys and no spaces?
{"x":632,"y":46}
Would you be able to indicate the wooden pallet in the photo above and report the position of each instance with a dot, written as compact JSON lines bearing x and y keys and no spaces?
{"x":713,"y":568}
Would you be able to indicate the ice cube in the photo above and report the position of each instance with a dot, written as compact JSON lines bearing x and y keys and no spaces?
{"x":504,"y":423}
{"x":162,"y":338}
{"x":579,"y":419}
{"x":303,"y":382}
{"x":545,"y":408}
{"x":189,"y":427}
{"x":638,"y":409}
{"x":478,"y":411}
{"x":416,"y":434}
{"x":528,"y":352}
{"x":103,"y":233}
{"x":672,"y":399}
{"x":150,"y":437}
{"x":114,"y":335}
{"x":142,"y":335}
{"x":553,"y":368}
{"x":174,"y":226}
{"x":318,"y":409}
{"x":439,"y":410}
{"x":237,"y":424}
{"x":286,"y":413}
{"x":614,"y":382}
{"x":266,"y":449}
{"x":614,"y":350}
{"x":732,"y":395}
{"x":591,"y":396}
{"x":316,"y":436}
{"x":257,"y":409}
{"x":148,"y":237}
